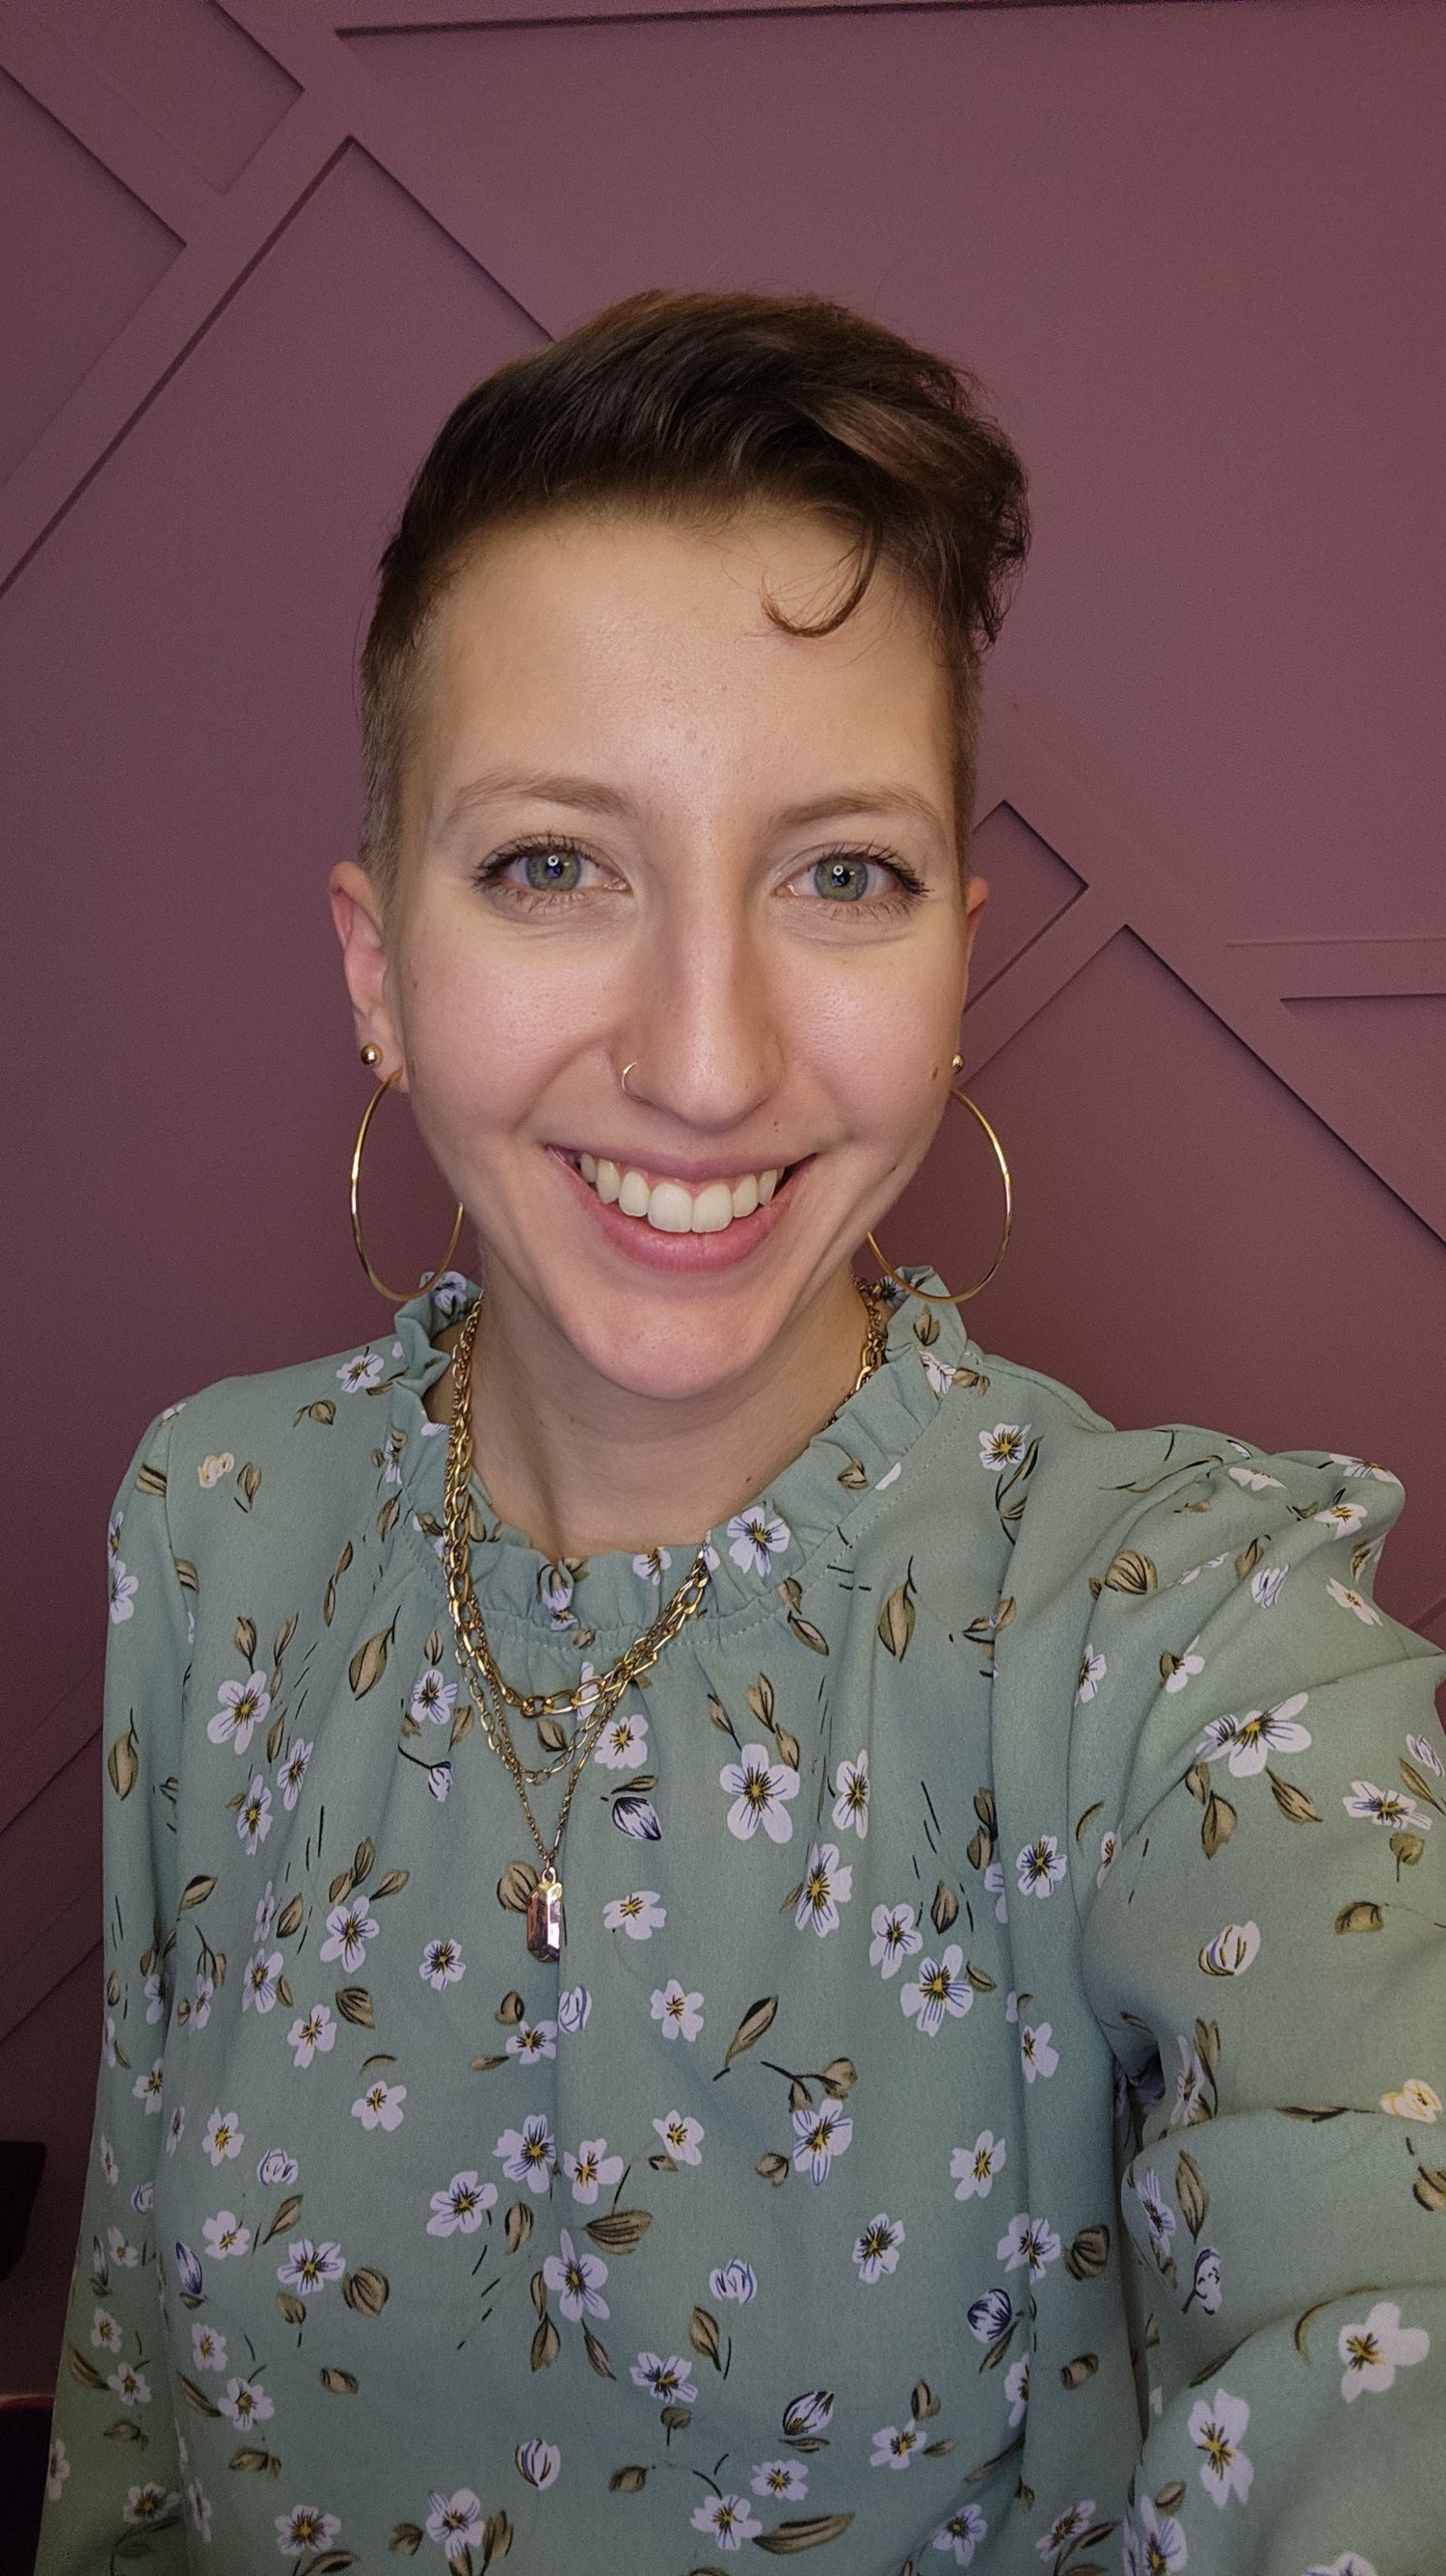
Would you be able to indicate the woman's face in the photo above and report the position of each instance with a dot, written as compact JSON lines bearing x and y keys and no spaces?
{"x":645,"y":828}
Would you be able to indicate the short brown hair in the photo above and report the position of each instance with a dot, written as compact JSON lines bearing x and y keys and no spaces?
{"x":676,"y":402}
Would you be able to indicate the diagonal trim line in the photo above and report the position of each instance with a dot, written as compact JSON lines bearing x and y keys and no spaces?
{"x":1233,"y":982}
{"x":34,"y":1973}
{"x":238,"y":231}
{"x":424,"y":17}
{"x":68,"y":87}
{"x":1341,"y":970}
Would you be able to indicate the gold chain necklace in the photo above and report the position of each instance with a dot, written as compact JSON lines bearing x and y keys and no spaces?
{"x":591,"y":1702}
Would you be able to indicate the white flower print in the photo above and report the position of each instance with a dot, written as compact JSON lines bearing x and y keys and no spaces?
{"x":757,"y":1538}
{"x":668,"y":2380}
{"x":253,"y":1821}
{"x":349,"y":1927}
{"x":592,"y":2169}
{"x":462,"y":2206}
{"x":1040,"y":1866}
{"x":147,"y":2088}
{"x":265,"y":1913}
{"x":131,"y":2385}
{"x":243,"y":1707}
{"x":208,"y":2348}
{"x":442,"y":1965}
{"x":57,"y":2470}
{"x":1190,"y":2084}
{"x":439,"y":1781}
{"x":200,"y":2508}
{"x":211,"y":1470}
{"x":851,"y":1805}
{"x":1030,"y":2241}
{"x":540,"y":2462}
{"x":1217,"y":2427}
{"x":677,"y":2011}
{"x":1016,"y":2390}
{"x":122,"y":1589}
{"x":623,"y":1743}
{"x":1385,"y":1807}
{"x":1373,"y":2352}
{"x":292,"y":1772}
{"x":651,"y":1565}
{"x":305,"y":2527}
{"x":433,"y":1696}
{"x":260,"y":1983}
{"x":1185,"y":1668}
{"x":974,"y":2168}
{"x":994,"y":1883}
{"x":1004,"y":1446}
{"x":225,"y":2235}
{"x":277,"y":2168}
{"x":105,"y":2331}
{"x":107,"y":2044}
{"x":821,"y":2135}
{"x":1266,"y":1583}
{"x":147,"y":2504}
{"x":358,"y":1375}
{"x":1205,"y":2281}
{"x":1352,"y":2564}
{"x":682,"y":2137}
{"x":1426,"y":1754}
{"x":312,"y":2034}
{"x":1092,"y":1671}
{"x":938,"y":1989}
{"x":1254,"y":1480}
{"x":786,"y":2481}
{"x":201,"y":2008}
{"x":1358,"y":1467}
{"x":1154,"y":2542}
{"x":639,"y":1915}
{"x":877,"y":2250}
{"x":735,"y":2281}
{"x":155,"y":2000}
{"x":826,"y":1886}
{"x":1065,"y":2527}
{"x":144,"y":2196}
{"x":380,"y":2107}
{"x":455,"y":2521}
{"x":1416,"y":2100}
{"x":1232,"y":1951}
{"x":962,"y":2533}
{"x":528,"y":2154}
{"x":1246,"y":1741}
{"x":727,"y":2520}
{"x":1109,"y":1854}
{"x":895,"y":2445}
{"x":577,"y":2279}
{"x":246,"y":2402}
{"x":759,"y":1789}
{"x":896,"y":1937}
{"x":574,"y":2005}
{"x":108,"y":2165}
{"x":1037,"y":2056}
{"x":1159,"y":2216}
{"x":1349,"y":1599}
{"x":224,"y":2136}
{"x":1344,"y":1519}
{"x":309,"y":2267}
{"x":124,"y":2255}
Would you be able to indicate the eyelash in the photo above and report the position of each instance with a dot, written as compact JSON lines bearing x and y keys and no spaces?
{"x":907,"y":889}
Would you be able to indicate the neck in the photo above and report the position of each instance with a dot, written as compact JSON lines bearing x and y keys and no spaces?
{"x":584,"y":1467}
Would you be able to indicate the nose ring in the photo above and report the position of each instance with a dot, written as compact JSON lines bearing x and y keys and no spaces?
{"x":623,"y":1076}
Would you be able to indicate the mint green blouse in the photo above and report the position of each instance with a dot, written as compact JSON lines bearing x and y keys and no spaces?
{"x":988,"y":2109}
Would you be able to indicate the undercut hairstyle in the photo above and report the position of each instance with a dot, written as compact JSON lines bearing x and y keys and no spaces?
{"x":700,"y":406}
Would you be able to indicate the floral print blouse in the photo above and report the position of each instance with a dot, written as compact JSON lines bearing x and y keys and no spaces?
{"x":988,"y":2108}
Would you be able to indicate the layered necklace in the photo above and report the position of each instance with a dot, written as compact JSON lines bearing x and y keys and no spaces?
{"x":591,"y":1703}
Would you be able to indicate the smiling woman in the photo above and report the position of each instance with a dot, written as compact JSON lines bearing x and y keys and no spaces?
{"x":1005,"y":2047}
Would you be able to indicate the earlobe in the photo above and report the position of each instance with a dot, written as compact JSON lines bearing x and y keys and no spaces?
{"x":357,"y":917}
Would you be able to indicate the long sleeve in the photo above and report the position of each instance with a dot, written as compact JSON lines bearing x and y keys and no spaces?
{"x":116,"y":2467}
{"x":1256,"y":1782}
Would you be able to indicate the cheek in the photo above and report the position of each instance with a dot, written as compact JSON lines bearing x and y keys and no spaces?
{"x":482,"y":1042}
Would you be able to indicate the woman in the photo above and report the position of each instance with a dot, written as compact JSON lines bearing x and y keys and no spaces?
{"x":730,"y":1924}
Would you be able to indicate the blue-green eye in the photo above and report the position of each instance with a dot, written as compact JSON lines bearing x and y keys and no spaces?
{"x":552,"y":871}
{"x":842,"y":880}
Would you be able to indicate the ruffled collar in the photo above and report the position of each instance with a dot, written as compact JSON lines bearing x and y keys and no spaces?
{"x":852,"y":1469}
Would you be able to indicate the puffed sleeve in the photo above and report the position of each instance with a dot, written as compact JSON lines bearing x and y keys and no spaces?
{"x":115,"y":2466}
{"x":1256,"y":1781}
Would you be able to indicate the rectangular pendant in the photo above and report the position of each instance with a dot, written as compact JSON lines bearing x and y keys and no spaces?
{"x":544,"y":1918}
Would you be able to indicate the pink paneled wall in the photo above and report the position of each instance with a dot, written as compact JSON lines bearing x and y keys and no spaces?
{"x":249,"y":256}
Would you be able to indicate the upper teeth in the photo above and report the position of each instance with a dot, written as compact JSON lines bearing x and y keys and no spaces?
{"x":672,"y":1208}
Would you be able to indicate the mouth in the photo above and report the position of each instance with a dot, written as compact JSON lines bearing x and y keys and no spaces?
{"x":667,"y":1205}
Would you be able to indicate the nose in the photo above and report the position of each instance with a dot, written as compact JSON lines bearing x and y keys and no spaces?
{"x":702,"y":1040}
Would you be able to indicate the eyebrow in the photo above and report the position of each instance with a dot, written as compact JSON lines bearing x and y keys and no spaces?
{"x":593,"y":795}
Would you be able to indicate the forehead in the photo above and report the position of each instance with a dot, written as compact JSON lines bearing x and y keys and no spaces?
{"x":644,"y":643}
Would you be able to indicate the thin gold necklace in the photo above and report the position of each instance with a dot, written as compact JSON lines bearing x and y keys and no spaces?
{"x":591,"y":1702}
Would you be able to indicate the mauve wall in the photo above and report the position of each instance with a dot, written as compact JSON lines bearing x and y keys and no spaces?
{"x":249,"y":257}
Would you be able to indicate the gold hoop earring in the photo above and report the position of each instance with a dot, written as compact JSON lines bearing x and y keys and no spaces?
{"x":372,"y":1055}
{"x":931,"y":1296}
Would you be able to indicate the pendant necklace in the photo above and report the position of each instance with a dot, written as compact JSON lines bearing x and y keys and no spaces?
{"x":589,"y":1704}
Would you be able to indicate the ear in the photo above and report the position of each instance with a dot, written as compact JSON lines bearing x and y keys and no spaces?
{"x":976,"y":895}
{"x":357,"y":915}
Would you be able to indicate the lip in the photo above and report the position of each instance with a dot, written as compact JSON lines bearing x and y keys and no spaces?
{"x":675,"y":1254}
